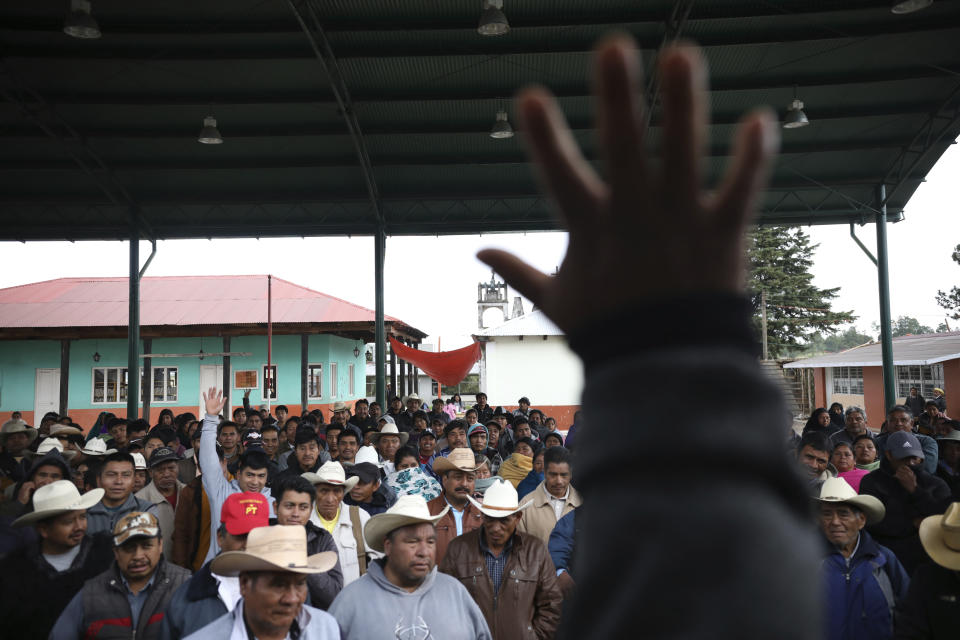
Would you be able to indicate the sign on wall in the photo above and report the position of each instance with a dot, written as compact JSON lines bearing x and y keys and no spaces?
{"x":245,"y":379}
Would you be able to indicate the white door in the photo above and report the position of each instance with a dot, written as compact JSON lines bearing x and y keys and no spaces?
{"x":211,"y":375}
{"x":47,"y":394}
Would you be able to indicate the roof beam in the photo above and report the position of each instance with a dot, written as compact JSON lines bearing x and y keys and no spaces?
{"x":754,"y":82}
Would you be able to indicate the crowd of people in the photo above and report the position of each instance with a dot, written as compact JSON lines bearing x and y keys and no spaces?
{"x":278,"y":522}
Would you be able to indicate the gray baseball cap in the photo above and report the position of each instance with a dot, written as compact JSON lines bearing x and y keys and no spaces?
{"x":901,"y":444}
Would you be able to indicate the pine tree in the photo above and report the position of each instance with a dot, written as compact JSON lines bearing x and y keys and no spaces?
{"x":950,"y":300}
{"x":779,"y":259}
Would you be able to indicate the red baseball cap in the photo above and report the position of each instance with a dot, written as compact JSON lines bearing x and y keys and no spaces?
{"x":242,"y":512}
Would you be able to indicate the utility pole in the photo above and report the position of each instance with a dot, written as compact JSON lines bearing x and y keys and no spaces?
{"x":763,"y":322}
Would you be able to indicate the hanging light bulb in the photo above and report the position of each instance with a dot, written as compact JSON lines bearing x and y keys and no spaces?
{"x":79,"y":22}
{"x":493,"y":22}
{"x":901,"y":7}
{"x":209,"y":134}
{"x":501,"y":127}
{"x":795,"y":117}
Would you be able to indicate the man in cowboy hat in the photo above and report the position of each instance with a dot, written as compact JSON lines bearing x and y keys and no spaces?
{"x":513,"y":581}
{"x":909,"y":494}
{"x":15,"y":437}
{"x":129,"y":598}
{"x":295,"y":496}
{"x":387,"y":442}
{"x":207,"y":596}
{"x":863,"y":581}
{"x":163,"y":492}
{"x":116,"y":477}
{"x":339,"y":415}
{"x":410,"y":597}
{"x":553,"y":498}
{"x":272,"y":572}
{"x":40,"y":581}
{"x":457,"y":474}
{"x":370,"y":494}
{"x":344,"y":522}
{"x":932,"y":606}
{"x":252,"y":472}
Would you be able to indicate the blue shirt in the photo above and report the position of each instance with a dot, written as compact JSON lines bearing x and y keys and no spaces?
{"x":137,"y":601}
{"x":457,"y":516}
{"x":495,"y":564}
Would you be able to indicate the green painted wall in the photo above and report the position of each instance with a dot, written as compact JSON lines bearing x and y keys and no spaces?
{"x":20,"y":359}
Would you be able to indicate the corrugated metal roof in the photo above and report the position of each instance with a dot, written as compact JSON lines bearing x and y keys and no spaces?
{"x":172,"y":301}
{"x":534,"y":323}
{"x":924,"y":349}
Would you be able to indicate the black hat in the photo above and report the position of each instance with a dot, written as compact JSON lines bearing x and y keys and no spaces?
{"x":253,"y":440}
{"x":161,"y":455}
{"x":427,"y":434}
{"x":366,"y":471}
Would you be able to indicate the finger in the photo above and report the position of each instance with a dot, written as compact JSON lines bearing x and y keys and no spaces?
{"x":619,"y":116}
{"x":755,"y":145}
{"x":565,"y":174}
{"x":683,"y":81}
{"x":530,"y":282}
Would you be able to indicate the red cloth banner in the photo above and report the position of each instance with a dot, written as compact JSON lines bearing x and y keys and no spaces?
{"x":448,"y":367}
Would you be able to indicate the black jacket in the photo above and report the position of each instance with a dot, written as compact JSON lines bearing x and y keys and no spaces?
{"x":195,"y":604}
{"x":325,"y":586}
{"x":33,"y":593}
{"x":381,"y":500}
{"x":931,"y":610}
{"x":952,"y":480}
{"x":898,"y":531}
{"x":915,"y":405}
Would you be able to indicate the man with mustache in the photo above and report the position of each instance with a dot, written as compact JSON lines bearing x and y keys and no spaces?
{"x":457,"y":475}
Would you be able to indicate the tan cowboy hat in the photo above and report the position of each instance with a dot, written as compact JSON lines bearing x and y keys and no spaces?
{"x":940,"y":536}
{"x":408,"y":509}
{"x":460,"y":459}
{"x":410,"y":397}
{"x":500,"y":500}
{"x":48,"y":445}
{"x":390,"y":430}
{"x":331,"y":473}
{"x":839,"y":490}
{"x":97,"y":447}
{"x":339,"y":406}
{"x":65,"y":428}
{"x":57,"y":498}
{"x":17,"y":426}
{"x":276,"y":548}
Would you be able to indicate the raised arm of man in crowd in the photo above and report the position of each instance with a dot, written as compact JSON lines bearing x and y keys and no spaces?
{"x":701,"y":548}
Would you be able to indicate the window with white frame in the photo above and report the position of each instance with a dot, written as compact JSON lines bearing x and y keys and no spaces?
{"x":350,"y":381}
{"x":109,"y":385}
{"x":165,"y":384}
{"x":333,"y":379}
{"x":848,"y":380}
{"x":923,"y":377}
{"x":315,"y":381}
{"x":269,"y":389}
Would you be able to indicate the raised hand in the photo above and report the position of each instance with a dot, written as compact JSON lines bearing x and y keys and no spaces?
{"x":645,"y":232}
{"x":214,"y":401}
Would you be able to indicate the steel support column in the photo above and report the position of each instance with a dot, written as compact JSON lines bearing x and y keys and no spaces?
{"x":226,"y":377}
{"x":883,"y":281}
{"x":147,"y":387}
{"x":64,"y":377}
{"x":380,"y":339}
{"x":133,"y":321}
{"x":304,"y":376}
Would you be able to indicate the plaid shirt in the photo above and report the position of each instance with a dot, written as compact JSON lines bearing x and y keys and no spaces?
{"x":495,"y":564}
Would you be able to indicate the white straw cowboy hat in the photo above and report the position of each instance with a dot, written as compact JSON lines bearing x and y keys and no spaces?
{"x":460,"y":459}
{"x":410,"y":397}
{"x":57,"y":498}
{"x":139,"y":462}
{"x":97,"y":447}
{"x":408,"y":509}
{"x":390,"y":430}
{"x":48,"y":445}
{"x":17,"y":426}
{"x":65,"y":428}
{"x":500,"y":500}
{"x":940,"y":536}
{"x":276,"y":548}
{"x":838,"y":490}
{"x":331,"y":473}
{"x":366,"y":454}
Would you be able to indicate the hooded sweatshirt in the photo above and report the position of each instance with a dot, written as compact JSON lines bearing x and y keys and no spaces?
{"x":441,"y":607}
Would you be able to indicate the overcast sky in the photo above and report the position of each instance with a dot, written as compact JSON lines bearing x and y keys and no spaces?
{"x":431,"y":282}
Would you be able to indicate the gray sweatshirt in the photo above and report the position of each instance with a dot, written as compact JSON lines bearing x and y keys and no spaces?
{"x":374,"y":607}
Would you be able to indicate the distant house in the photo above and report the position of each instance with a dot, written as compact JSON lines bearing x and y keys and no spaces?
{"x":529,"y":356}
{"x":855,"y":376}
{"x":79,"y":326}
